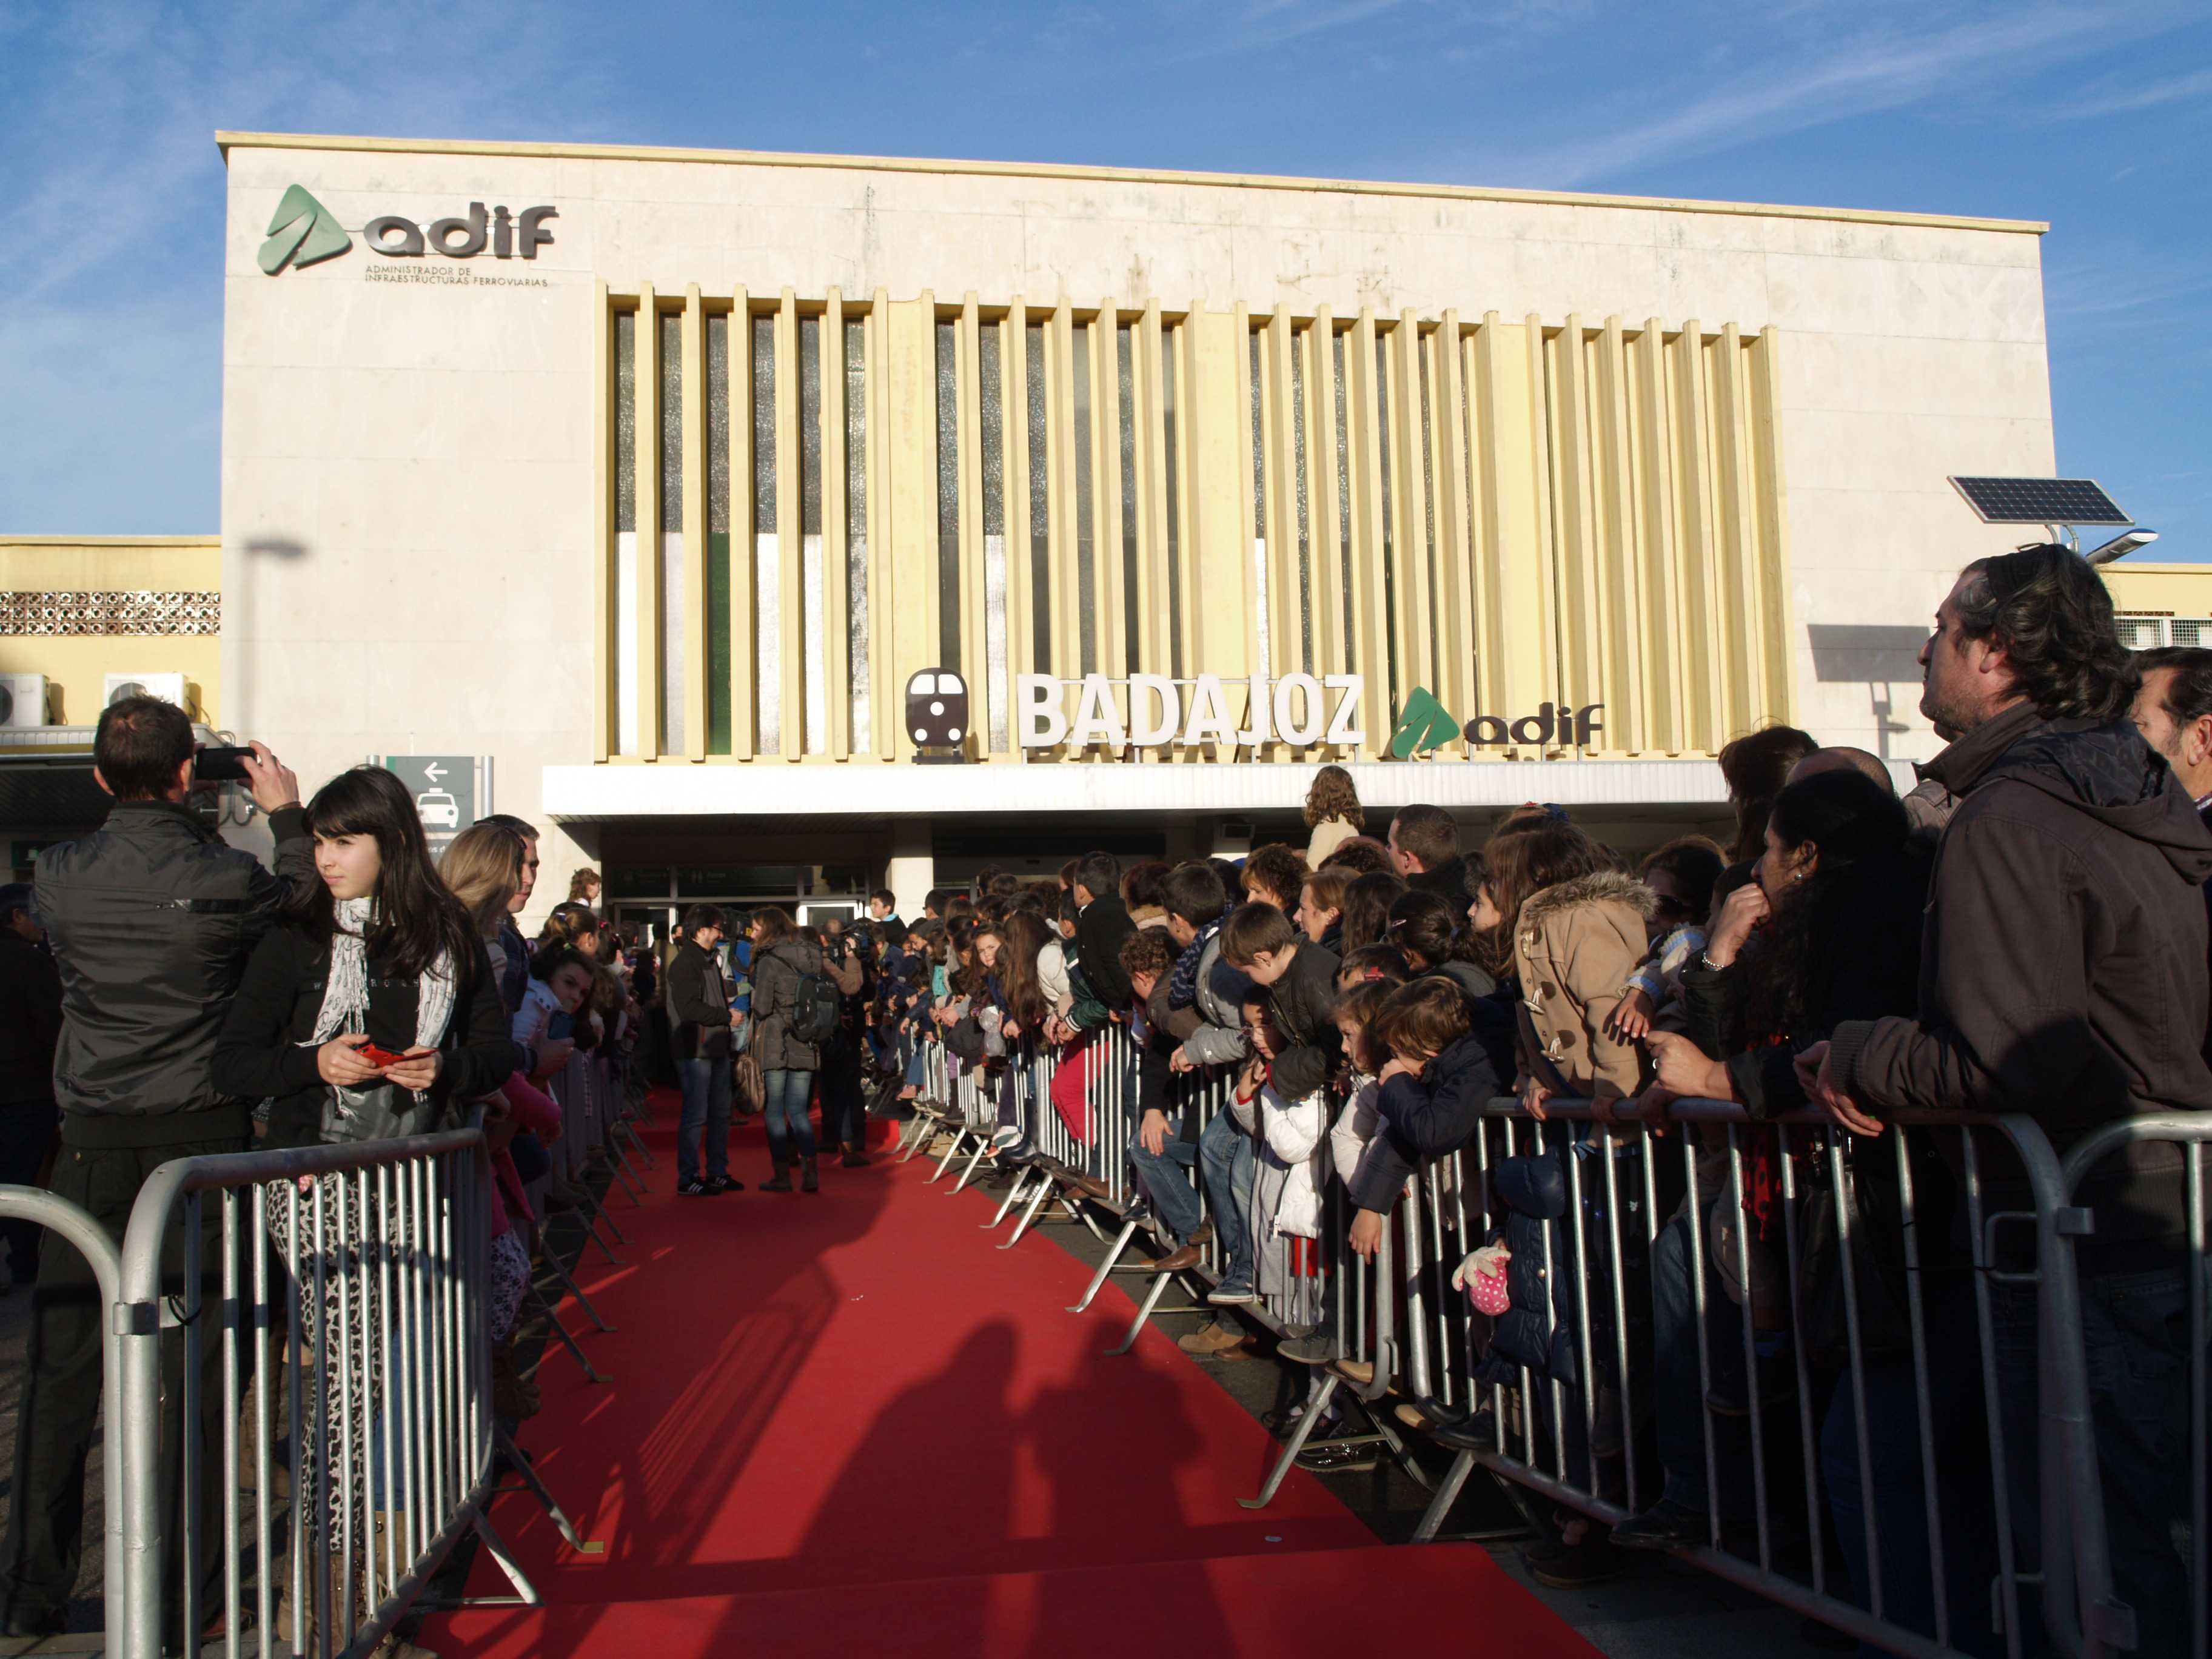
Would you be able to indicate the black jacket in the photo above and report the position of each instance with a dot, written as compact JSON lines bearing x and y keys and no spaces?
{"x":30,"y":1020}
{"x":1099,"y":930}
{"x":258,"y":1054}
{"x":1449,"y":880}
{"x":1867,"y":968}
{"x":699,"y":1003}
{"x":1437,"y":1113}
{"x":1302,"y":999}
{"x":152,"y":917}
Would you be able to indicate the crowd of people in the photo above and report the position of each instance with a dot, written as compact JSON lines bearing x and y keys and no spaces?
{"x":2024,"y":931}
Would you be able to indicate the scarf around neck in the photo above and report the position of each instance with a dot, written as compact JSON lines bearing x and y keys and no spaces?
{"x":1182,"y":985}
{"x":345,"y":989}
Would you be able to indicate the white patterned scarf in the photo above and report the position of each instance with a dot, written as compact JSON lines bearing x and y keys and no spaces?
{"x":345,"y":991}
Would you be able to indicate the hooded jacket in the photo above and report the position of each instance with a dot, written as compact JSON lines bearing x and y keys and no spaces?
{"x":776,"y":973}
{"x":1576,"y":945}
{"x":2062,"y":962}
{"x":1304,"y":1001}
{"x":1438,"y":1112}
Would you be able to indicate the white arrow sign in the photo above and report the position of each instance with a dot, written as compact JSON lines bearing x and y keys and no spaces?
{"x":434,"y":771}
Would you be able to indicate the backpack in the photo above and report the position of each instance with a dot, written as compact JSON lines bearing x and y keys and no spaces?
{"x":816,"y":1008}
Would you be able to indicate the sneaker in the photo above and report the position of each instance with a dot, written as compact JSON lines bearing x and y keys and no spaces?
{"x":722,"y":1184}
{"x":1315,"y":1350}
{"x":1230,"y":1294}
{"x":1666,"y":1525}
{"x":696,"y":1188}
{"x":1338,"y":1457}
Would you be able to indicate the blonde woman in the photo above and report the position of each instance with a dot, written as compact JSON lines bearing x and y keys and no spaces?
{"x":1332,"y":813}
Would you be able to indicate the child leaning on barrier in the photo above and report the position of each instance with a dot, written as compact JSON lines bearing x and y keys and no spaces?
{"x":1681,"y":876}
{"x":1577,"y":933}
{"x":1447,"y":1056}
{"x":1358,"y":1014}
{"x":1289,"y":1129}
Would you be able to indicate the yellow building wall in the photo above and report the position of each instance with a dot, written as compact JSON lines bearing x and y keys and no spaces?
{"x":2179,"y":590}
{"x":75,"y":665}
{"x":1581,"y":512}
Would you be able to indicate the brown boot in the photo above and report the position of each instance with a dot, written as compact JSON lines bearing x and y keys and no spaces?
{"x":810,"y":1178}
{"x":853,"y":1157}
{"x":782,"y":1182}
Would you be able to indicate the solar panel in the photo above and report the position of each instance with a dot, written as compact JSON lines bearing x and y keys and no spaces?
{"x":2040,"y":500}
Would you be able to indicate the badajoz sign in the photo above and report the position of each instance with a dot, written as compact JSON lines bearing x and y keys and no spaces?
{"x":303,"y":232}
{"x":1147,"y":710}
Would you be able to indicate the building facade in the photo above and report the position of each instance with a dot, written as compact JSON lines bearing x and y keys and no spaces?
{"x":781,"y":525}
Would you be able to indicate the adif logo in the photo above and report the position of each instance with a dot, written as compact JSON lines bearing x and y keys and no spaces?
{"x":302,"y":232}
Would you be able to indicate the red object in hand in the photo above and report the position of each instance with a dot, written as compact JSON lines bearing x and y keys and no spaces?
{"x":378,"y":1057}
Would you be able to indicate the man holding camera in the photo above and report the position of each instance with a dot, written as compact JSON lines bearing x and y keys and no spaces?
{"x":151,"y":917}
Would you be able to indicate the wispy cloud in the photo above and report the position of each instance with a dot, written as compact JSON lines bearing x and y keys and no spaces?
{"x":2129,"y":100}
{"x":1817,"y":69}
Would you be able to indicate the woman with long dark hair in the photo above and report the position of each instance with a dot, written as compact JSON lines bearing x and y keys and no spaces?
{"x":1828,"y":930}
{"x":378,"y":951}
{"x":1364,"y":918}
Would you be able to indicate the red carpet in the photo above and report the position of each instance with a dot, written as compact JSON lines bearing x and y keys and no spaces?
{"x":857,"y":1392}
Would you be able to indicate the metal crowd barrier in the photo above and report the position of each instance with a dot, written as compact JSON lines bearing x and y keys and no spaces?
{"x":2092,"y":1620}
{"x":369,"y":1261}
{"x":1654,"y":1231}
{"x":1778,"y":1433}
{"x":1294,"y":1282}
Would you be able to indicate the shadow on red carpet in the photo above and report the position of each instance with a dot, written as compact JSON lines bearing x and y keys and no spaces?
{"x":856,"y":1392}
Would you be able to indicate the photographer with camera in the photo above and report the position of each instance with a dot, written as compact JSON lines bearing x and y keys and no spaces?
{"x":152,"y":917}
{"x":847,"y":957}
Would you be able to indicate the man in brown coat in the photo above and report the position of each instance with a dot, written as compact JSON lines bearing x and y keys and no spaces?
{"x":2063,"y":975}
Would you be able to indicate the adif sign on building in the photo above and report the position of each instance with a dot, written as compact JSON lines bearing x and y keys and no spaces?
{"x":1146,"y":711}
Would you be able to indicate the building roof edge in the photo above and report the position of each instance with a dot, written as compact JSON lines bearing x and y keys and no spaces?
{"x":226,"y":142}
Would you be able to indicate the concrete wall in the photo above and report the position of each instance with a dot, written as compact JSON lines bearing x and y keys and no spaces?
{"x":409,"y":468}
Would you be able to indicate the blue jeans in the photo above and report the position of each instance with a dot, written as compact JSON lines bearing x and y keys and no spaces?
{"x":1225,"y":1152}
{"x":706,"y":1108}
{"x":1175,"y":1200}
{"x":1959,"y":1437}
{"x":2135,"y":1332}
{"x":784,"y":1113}
{"x":1677,"y":1385}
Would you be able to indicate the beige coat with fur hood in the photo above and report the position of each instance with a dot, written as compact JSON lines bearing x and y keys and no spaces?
{"x":1576,"y":944}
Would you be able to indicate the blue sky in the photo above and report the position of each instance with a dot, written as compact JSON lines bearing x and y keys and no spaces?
{"x":2094,"y":117}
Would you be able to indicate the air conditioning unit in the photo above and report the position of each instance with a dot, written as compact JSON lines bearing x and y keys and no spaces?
{"x":169,"y":688}
{"x":23,"y":699}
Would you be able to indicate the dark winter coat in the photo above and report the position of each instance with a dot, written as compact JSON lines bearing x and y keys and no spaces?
{"x":1099,"y":930}
{"x":151,"y":918}
{"x":1868,"y":968}
{"x":699,"y":1004}
{"x":258,"y":1054}
{"x":1437,"y":1113}
{"x":2062,"y":963}
{"x":1447,"y":881}
{"x":776,"y":973}
{"x":1303,"y":1000}
{"x":30,"y":1020}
